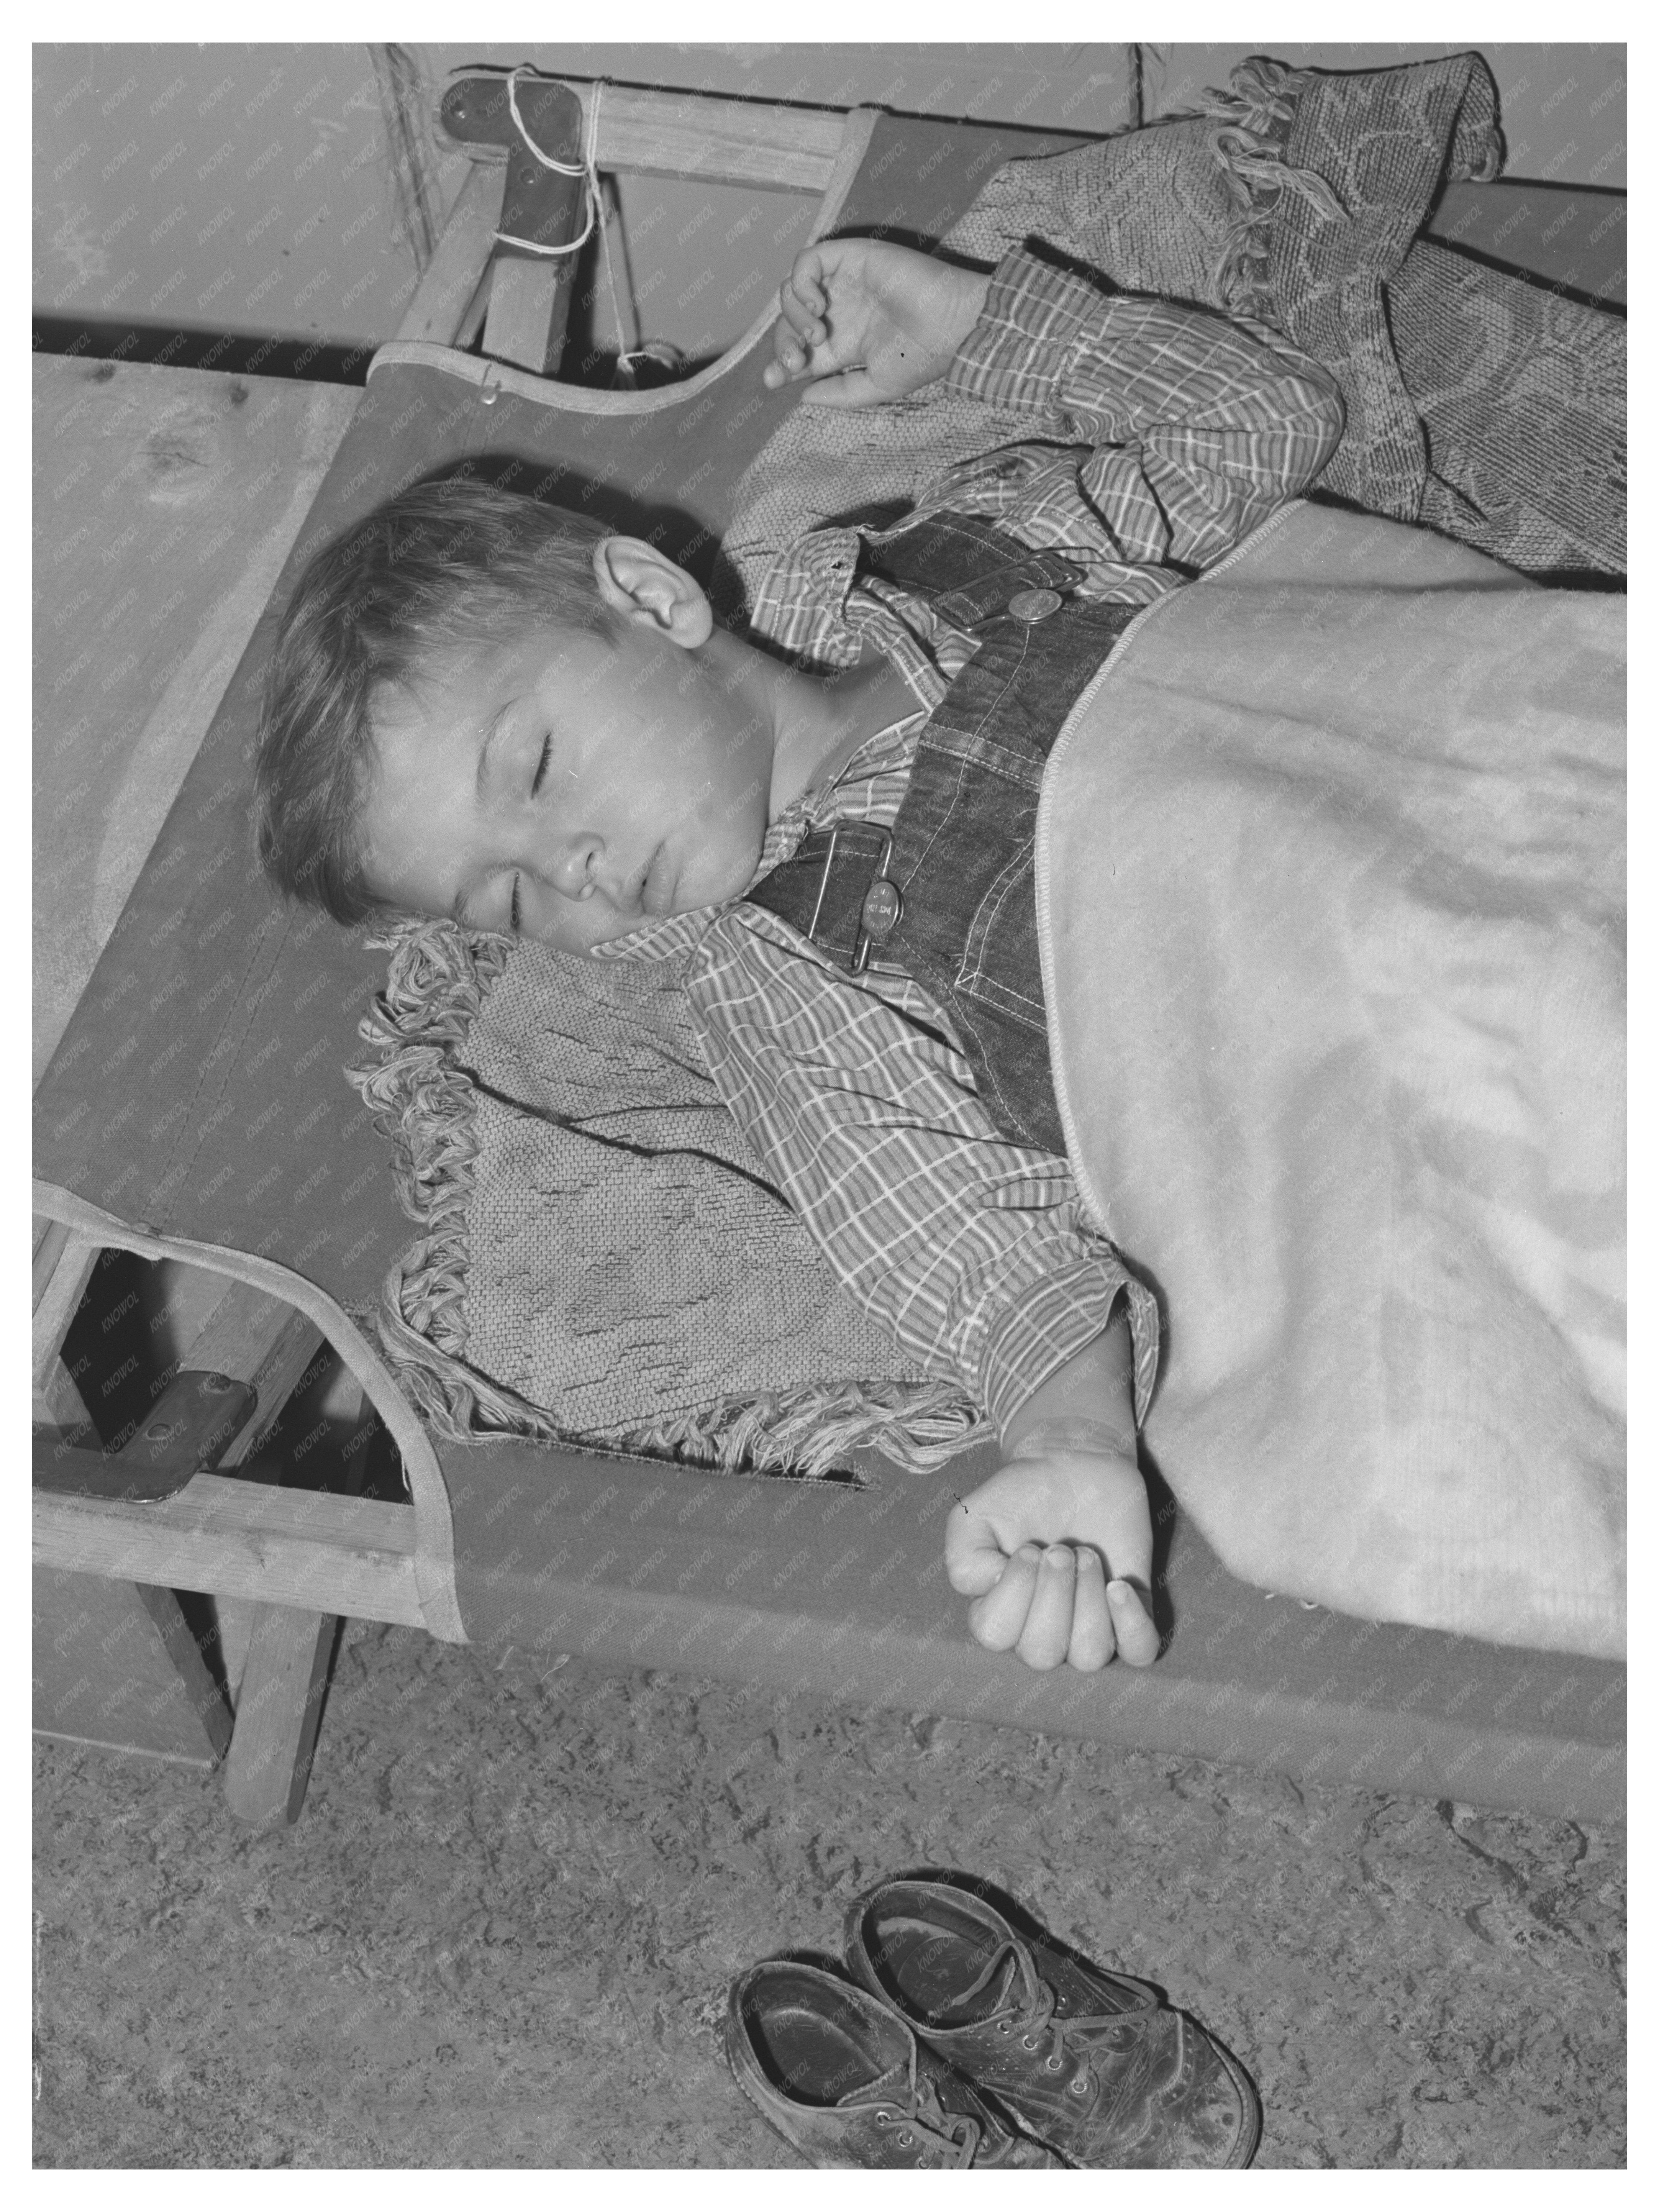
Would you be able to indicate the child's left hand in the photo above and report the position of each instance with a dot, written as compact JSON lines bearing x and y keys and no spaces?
{"x":862,"y":320}
{"x":1028,"y":1546}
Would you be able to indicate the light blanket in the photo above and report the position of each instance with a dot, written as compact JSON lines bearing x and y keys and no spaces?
{"x":1332,"y":897}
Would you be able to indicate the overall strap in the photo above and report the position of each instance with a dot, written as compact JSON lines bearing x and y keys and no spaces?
{"x":966,"y":568}
{"x":948,"y":895}
{"x":976,"y":578}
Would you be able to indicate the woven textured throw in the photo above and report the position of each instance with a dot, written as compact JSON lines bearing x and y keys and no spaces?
{"x":1486,"y":407}
{"x":602,"y":1258}
{"x":1521,"y":395}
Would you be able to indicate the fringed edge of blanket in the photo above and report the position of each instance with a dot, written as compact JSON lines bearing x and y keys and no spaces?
{"x":1250,"y":139}
{"x":810,"y":1430}
{"x":436,"y":983}
{"x":1252,"y":128}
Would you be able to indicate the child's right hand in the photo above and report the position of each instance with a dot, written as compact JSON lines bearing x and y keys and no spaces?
{"x":1029,"y":1546}
{"x":867,"y":321}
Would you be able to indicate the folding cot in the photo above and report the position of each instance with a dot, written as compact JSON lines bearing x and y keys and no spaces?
{"x":195,"y":1110}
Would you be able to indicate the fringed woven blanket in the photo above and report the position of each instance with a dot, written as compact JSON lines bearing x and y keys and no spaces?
{"x":1331,"y":893}
{"x":601,"y":1257}
{"x":1476,"y":404}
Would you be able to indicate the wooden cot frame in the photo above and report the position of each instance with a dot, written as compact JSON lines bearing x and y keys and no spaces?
{"x":306,"y":1559}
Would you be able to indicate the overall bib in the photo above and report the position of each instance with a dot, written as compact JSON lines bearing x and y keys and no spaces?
{"x":949,"y":894}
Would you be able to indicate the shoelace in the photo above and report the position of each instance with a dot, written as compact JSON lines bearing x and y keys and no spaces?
{"x":1034,"y":2013}
{"x":955,"y":2134}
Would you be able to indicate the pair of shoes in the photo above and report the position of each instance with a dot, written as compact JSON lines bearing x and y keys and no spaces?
{"x":962,"y":2042}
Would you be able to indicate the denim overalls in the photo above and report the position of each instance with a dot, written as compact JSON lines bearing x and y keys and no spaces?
{"x":949,"y":894}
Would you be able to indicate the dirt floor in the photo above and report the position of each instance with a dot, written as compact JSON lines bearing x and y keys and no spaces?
{"x":501,"y":1933}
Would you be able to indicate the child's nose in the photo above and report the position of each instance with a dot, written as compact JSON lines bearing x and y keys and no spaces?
{"x":571,"y":870}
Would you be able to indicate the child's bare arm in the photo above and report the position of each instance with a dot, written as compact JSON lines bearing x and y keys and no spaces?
{"x":1056,"y":1548}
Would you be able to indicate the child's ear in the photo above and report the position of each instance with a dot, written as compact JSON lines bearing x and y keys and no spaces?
{"x":648,"y":590}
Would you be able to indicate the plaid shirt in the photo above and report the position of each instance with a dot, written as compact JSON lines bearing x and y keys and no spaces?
{"x":1161,"y":435}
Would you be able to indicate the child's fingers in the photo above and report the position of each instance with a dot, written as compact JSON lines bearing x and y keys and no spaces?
{"x":1093,"y":1638}
{"x":974,"y":1559}
{"x":790,"y":354}
{"x":804,"y":346}
{"x":997,"y":1618}
{"x":806,"y":322}
{"x":1118,"y":1522}
{"x":805,"y":281}
{"x":1138,"y":1638}
{"x":1047,"y":1629}
{"x":788,"y":362}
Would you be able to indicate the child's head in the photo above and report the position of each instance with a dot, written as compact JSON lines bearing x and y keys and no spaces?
{"x":484,"y":706}
{"x":432,"y":574}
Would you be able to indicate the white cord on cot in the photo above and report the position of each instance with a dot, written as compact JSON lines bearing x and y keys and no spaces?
{"x":585,"y":168}
{"x":588,"y":169}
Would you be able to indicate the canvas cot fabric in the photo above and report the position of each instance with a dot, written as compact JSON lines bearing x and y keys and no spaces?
{"x":601,"y":1256}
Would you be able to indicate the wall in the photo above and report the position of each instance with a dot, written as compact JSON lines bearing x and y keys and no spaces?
{"x":249,"y":188}
{"x":244,"y":188}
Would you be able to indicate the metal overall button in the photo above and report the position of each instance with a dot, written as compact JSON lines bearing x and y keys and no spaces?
{"x":878,"y":910}
{"x":883,"y":904}
{"x":1034,"y":606}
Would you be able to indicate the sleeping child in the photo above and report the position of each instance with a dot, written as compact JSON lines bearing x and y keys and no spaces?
{"x":486,"y":708}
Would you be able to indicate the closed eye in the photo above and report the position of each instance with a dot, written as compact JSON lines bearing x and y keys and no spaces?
{"x":512,"y":909}
{"x":541,"y":771}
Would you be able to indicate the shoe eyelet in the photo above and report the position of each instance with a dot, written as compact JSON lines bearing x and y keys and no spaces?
{"x":1004,"y":2027}
{"x":884,"y":2119}
{"x":905,"y":2136}
{"x":1028,"y":2043}
{"x":1079,"y":2085}
{"x":1053,"y":2065}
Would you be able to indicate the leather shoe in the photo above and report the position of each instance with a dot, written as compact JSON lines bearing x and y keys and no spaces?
{"x":841,"y":2076}
{"x":1090,"y":2063}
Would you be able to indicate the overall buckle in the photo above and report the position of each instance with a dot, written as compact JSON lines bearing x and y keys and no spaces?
{"x":882,"y":905}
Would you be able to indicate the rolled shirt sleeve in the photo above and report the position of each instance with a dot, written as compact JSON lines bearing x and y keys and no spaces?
{"x":1200,"y":424}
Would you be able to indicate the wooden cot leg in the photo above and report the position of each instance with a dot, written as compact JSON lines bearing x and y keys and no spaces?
{"x":260,"y":1339}
{"x":208,"y":1701}
{"x":278,"y":1707}
{"x":255,"y":1338}
{"x":280,"y":1703}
